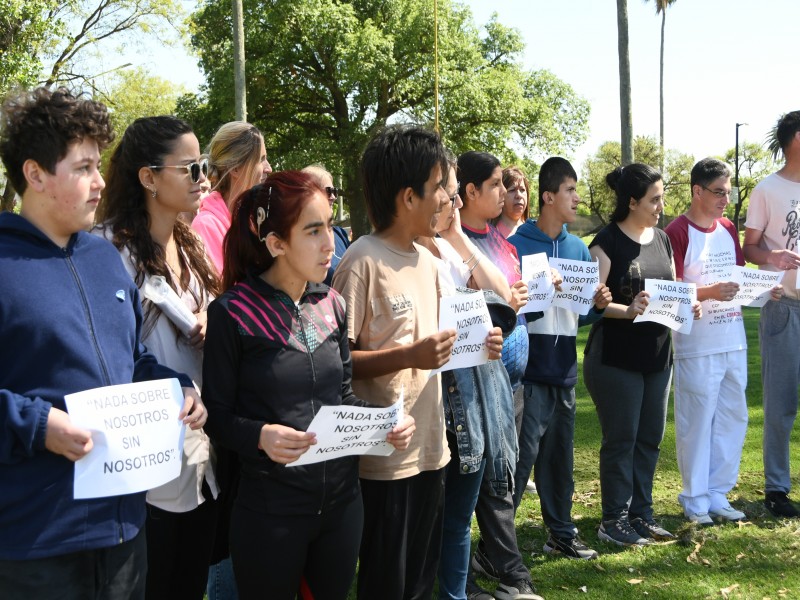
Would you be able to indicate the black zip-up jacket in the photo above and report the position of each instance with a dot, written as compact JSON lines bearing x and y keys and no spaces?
{"x":268,"y":360}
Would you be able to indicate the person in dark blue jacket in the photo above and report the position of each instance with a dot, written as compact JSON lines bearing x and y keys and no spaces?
{"x":548,"y":427}
{"x":70,"y":320}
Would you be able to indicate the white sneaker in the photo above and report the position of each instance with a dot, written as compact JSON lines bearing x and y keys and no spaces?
{"x":530,"y":487}
{"x":727,"y":513}
{"x":700,"y":519}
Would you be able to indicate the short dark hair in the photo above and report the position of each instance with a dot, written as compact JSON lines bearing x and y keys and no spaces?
{"x":398,"y":157}
{"x":708,"y":170}
{"x":475,"y":168}
{"x":42,"y":124}
{"x":629,"y":182}
{"x":553,"y":172}
{"x":787,"y":126}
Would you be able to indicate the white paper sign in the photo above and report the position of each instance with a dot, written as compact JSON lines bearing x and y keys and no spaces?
{"x":580,"y":281}
{"x":670,"y":304}
{"x":138,"y":438}
{"x":536,"y":273}
{"x":754,"y":285}
{"x":350,"y":430}
{"x":469,"y":316}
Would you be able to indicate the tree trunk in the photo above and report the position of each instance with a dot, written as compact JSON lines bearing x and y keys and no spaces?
{"x":9,"y":198}
{"x":661,"y":90}
{"x":354,"y":189}
{"x":240,"y":93}
{"x":625,"y":113}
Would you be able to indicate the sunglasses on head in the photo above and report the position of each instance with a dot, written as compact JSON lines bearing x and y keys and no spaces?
{"x":194,"y":169}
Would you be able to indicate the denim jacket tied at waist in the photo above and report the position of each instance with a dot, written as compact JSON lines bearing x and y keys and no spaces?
{"x":479,"y":410}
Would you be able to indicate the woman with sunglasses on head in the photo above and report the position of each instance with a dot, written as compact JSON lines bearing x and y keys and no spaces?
{"x":480,"y":437}
{"x":516,"y":202}
{"x":341,"y":239}
{"x":277,"y":350}
{"x":155,"y":173}
{"x":237,"y":160}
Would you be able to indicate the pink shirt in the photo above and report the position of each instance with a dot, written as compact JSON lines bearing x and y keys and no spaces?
{"x":212,"y":223}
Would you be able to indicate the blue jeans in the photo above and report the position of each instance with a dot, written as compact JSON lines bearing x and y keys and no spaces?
{"x":778,"y":331}
{"x":221,"y":583}
{"x":460,"y":496}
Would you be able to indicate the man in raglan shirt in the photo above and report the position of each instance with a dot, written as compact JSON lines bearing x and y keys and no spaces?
{"x":710,"y":366}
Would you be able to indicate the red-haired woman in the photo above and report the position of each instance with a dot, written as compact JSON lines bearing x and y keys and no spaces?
{"x":276,"y":351}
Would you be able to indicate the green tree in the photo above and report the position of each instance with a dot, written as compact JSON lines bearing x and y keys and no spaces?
{"x":24,"y":29}
{"x":90,"y":25}
{"x":625,"y":110}
{"x":325,"y":75}
{"x":134,"y":93}
{"x":755,"y":163}
{"x":599,"y":198}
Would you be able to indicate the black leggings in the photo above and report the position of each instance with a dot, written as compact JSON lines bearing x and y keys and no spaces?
{"x":271,"y":552}
{"x":178,"y":551}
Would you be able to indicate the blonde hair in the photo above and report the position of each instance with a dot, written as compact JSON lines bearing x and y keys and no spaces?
{"x":319,"y":173}
{"x":235,"y":145}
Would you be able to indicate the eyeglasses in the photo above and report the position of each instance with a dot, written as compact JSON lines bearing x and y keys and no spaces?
{"x":194,"y":169}
{"x":332,"y":191}
{"x":454,"y":196}
{"x":718,"y":193}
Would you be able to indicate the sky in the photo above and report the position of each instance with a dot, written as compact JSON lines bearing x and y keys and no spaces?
{"x":726,"y":62}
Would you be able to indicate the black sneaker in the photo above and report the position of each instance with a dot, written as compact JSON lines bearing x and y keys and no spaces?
{"x":651,"y":529}
{"x":621,"y":533}
{"x":476,"y":592}
{"x":519,"y":590}
{"x":481,"y":565}
{"x":569,"y":547}
{"x":779,"y":505}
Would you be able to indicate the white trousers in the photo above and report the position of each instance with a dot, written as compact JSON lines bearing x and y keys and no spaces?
{"x":710,"y":425}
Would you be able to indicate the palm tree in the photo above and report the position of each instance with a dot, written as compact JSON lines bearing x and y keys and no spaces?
{"x":661,"y":8}
{"x":625,"y":114}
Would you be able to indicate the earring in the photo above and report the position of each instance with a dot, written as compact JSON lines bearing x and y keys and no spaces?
{"x":153,"y":192}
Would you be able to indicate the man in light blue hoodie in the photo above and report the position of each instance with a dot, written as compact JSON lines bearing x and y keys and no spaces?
{"x":548,"y":426}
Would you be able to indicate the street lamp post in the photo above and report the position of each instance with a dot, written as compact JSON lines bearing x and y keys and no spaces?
{"x":737,"y":159}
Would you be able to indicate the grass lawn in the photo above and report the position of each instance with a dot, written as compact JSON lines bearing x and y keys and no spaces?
{"x":759,"y":559}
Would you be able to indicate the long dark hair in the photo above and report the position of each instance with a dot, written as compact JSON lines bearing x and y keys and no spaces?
{"x":474,"y":167}
{"x":124,"y":210}
{"x":270,"y":207}
{"x":629,"y":182}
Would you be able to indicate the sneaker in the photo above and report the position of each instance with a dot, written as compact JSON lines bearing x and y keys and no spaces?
{"x":727,"y":514}
{"x":530,"y":487}
{"x":651,"y":529}
{"x":475,"y":592}
{"x":481,"y":565}
{"x":569,"y":547}
{"x":779,"y":505}
{"x":519,"y":590}
{"x":701,"y":519}
{"x":621,"y":533}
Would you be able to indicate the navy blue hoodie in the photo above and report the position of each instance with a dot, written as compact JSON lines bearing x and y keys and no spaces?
{"x":552,"y":358}
{"x":70,"y":320}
